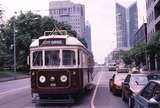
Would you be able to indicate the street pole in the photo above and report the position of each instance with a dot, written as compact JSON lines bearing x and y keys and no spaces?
{"x":14,"y":45}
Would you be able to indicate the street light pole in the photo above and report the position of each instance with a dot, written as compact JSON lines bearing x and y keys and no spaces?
{"x":14,"y":45}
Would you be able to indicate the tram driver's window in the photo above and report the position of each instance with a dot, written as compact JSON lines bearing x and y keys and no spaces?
{"x":37,"y":58}
{"x":69,"y":57}
{"x":52,"y":58}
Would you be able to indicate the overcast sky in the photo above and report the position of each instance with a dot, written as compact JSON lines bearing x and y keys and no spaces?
{"x":100,"y":14}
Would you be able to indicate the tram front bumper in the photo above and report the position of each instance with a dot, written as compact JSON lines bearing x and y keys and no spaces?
{"x":37,"y":99}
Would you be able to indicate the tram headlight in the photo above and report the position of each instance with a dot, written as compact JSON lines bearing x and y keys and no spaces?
{"x":63,"y":78}
{"x":52,"y":78}
{"x":42,"y":79}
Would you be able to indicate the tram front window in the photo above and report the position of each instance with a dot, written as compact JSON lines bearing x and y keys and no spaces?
{"x":52,"y":58}
{"x":37,"y":58}
{"x":69,"y":57}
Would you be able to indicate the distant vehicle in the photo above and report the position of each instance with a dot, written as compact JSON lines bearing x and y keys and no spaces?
{"x":149,"y":96}
{"x":132,"y":84}
{"x":61,"y":69}
{"x":112,"y":66}
{"x":115,"y":83}
{"x":122,"y":70}
{"x":154,"y":76}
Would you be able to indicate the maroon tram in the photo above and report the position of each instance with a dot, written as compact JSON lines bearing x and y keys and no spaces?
{"x":61,"y":68}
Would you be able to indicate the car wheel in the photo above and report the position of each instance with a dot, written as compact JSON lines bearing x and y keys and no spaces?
{"x":110,"y":89}
{"x":113,"y":91}
{"x":131,"y":102}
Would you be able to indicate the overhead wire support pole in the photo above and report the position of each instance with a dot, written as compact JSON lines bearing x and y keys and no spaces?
{"x":14,"y":45}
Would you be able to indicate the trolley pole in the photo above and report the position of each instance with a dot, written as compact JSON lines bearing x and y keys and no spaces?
{"x":14,"y":45}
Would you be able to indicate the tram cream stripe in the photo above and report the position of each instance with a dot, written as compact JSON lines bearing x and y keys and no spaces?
{"x":95,"y":91}
{"x":14,"y":90}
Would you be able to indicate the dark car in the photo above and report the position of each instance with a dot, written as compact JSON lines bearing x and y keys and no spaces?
{"x":154,"y":76}
{"x":115,"y":83}
{"x":149,"y":96}
{"x":132,"y":84}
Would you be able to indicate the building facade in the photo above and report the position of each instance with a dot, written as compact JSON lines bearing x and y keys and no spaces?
{"x":153,"y":17}
{"x":121,"y":28}
{"x":133,"y":23}
{"x":87,"y":35}
{"x":141,"y":35}
{"x":126,"y":25}
{"x":69,"y":13}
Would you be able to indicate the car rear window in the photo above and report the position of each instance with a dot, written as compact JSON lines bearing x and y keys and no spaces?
{"x":120,"y":76}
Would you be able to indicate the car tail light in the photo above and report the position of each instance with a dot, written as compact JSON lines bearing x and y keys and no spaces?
{"x":118,"y":82}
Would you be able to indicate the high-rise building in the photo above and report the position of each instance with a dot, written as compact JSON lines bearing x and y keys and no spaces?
{"x":153,"y":17}
{"x":69,"y":13}
{"x":121,"y":27}
{"x":87,"y":35}
{"x":133,"y":23}
{"x":126,"y":25}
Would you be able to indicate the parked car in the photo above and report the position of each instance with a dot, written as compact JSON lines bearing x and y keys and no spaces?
{"x":122,"y":70}
{"x":132,"y":84}
{"x":149,"y":96}
{"x":115,"y":83}
{"x":154,"y":76}
{"x":112,"y":66}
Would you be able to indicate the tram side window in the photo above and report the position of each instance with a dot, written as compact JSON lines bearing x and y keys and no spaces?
{"x":69,"y":57}
{"x":37,"y":58}
{"x":52,"y":58}
{"x":83,"y":59}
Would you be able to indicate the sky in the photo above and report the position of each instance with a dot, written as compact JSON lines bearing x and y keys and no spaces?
{"x":99,"y":13}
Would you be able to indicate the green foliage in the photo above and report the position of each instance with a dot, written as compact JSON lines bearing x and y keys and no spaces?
{"x":28,"y":26}
{"x":153,"y":46}
{"x":138,"y":53}
{"x":126,"y":57}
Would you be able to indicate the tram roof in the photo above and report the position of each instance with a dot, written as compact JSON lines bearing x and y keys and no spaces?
{"x":70,"y":40}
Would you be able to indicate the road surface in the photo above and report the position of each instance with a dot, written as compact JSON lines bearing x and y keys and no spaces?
{"x":16,"y":94}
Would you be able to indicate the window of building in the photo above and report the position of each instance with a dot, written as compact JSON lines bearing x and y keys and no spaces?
{"x":78,"y":9}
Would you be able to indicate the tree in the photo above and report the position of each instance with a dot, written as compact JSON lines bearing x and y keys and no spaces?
{"x":28,"y":26}
{"x":153,"y":48}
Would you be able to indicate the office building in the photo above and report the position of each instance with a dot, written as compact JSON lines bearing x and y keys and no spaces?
{"x":87,"y":35}
{"x":133,"y":23}
{"x":153,"y":17}
{"x":69,"y":13}
{"x":126,"y":25}
{"x":141,"y":35}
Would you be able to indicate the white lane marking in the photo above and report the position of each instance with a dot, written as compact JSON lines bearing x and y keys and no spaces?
{"x":13,"y":91}
{"x":95,"y":91}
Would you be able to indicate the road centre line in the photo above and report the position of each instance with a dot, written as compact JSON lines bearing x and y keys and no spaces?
{"x":95,"y":91}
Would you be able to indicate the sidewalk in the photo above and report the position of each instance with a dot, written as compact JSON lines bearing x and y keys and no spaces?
{"x":9,"y":76}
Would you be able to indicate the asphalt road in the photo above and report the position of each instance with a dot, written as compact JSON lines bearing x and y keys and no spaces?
{"x":16,"y":94}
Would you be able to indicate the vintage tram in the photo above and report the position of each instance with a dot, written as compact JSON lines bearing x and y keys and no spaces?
{"x":61,"y":68}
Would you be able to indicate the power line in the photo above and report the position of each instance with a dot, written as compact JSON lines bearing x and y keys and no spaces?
{"x":25,"y":11}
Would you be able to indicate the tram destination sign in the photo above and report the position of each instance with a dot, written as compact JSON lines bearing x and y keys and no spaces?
{"x":51,"y":42}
